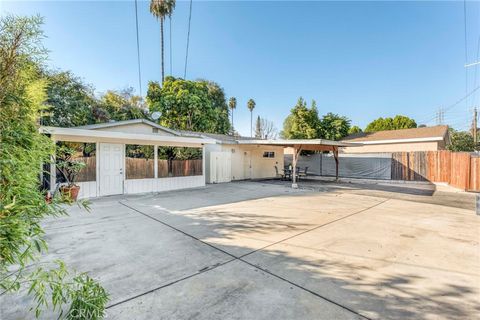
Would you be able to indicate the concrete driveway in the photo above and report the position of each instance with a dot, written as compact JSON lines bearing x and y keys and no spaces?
{"x":264,"y":251}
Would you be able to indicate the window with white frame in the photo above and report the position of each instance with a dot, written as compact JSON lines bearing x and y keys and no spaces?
{"x":269,"y":154}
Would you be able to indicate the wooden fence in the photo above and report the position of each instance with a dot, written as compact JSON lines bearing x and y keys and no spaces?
{"x":137,"y":168}
{"x":180,"y":168}
{"x":459,"y":169}
{"x":142,"y":168}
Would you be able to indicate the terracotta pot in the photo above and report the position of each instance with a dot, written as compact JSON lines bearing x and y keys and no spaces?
{"x":70,"y":191}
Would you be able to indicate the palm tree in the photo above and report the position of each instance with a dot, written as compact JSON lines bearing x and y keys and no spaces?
{"x":251,"y":106}
{"x":232,"y":103}
{"x":162,"y":9}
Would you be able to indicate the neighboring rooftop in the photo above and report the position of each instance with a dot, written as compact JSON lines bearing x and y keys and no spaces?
{"x":424,"y":133}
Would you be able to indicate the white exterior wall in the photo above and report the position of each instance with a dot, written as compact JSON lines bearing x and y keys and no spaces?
{"x":208,"y":149}
{"x":163,"y":184}
{"x":91,"y":189}
{"x":88,"y":189}
{"x":247,"y":161}
{"x":265,"y":167}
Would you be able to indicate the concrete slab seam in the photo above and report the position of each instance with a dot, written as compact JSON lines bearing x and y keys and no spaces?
{"x":234,"y":258}
{"x":314,"y":228}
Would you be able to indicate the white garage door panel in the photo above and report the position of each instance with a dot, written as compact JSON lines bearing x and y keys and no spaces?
{"x":221,"y":168}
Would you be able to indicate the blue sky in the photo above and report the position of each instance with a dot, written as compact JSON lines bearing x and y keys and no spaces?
{"x":359,"y":59}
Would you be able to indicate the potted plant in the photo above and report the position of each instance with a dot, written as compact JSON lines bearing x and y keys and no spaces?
{"x":70,"y":168}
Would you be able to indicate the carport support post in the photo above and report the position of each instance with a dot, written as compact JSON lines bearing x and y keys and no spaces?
{"x":335,"y":155}
{"x":296,"y":153}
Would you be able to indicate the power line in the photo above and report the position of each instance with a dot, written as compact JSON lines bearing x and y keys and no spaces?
{"x":453,"y":105}
{"x":188,"y":39}
{"x":138,"y":50}
{"x":460,"y":100}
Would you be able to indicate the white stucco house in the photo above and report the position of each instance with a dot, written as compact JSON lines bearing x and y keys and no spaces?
{"x":139,"y":156}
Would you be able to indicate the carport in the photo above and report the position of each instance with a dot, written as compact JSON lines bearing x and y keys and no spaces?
{"x":298,"y":145}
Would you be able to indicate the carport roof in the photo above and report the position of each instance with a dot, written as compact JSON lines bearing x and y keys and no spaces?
{"x":304,"y":144}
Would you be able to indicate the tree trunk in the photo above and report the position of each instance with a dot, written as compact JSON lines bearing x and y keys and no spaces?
{"x":251,"y":123}
{"x":233,"y":130}
{"x":162,"y":44}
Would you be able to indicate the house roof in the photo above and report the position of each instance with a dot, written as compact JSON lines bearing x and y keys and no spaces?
{"x":86,"y":135}
{"x":304,"y":143}
{"x":192,"y":136}
{"x":434,"y":133}
{"x":126,"y":122}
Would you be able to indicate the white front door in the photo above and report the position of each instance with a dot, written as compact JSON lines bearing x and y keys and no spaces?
{"x":111,"y":168}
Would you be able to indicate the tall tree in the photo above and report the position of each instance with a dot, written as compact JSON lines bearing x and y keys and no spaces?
{"x":251,"y":106}
{"x":398,"y":122}
{"x":70,"y":102}
{"x":232,"y":104}
{"x":162,"y":9}
{"x":189,"y":105}
{"x":302,"y":123}
{"x":216,"y":95}
{"x":123,"y":105}
{"x":334,"y":127}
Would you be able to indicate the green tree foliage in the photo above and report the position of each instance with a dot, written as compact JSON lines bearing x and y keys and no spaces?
{"x":334,"y":127}
{"x":23,"y":150}
{"x":70,"y":102}
{"x":219,"y":102}
{"x":398,"y":122}
{"x":123,"y":105}
{"x":354,"y":130}
{"x":302,"y":123}
{"x":461,"y":141}
{"x":189,"y":105}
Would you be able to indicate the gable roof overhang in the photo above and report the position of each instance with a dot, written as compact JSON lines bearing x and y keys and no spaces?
{"x":127,"y":122}
{"x":87,"y":135}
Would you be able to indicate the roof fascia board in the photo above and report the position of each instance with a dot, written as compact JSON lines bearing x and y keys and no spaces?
{"x":390,"y":141}
{"x":293,"y":142}
{"x":127,"y":122}
{"x":123,"y":135}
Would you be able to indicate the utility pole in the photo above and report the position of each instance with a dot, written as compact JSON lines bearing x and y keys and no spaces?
{"x":474,"y":126}
{"x":440,"y":116}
